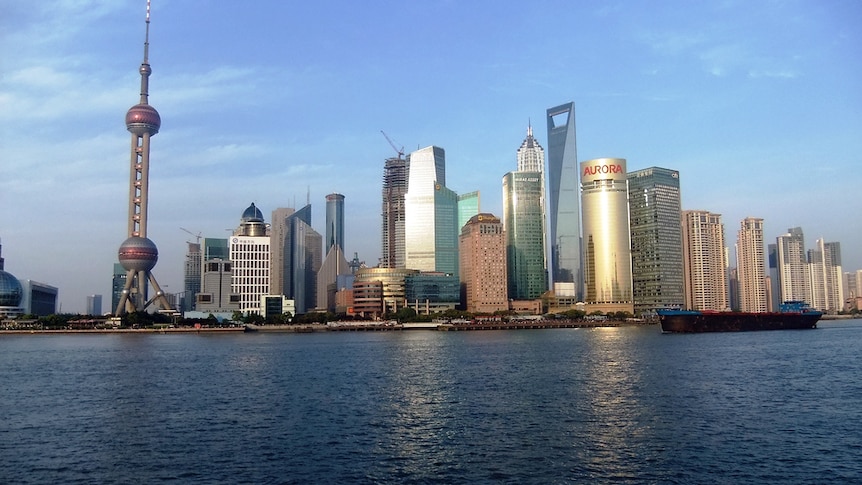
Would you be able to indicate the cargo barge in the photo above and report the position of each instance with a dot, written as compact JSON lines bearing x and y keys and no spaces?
{"x":792,"y":315}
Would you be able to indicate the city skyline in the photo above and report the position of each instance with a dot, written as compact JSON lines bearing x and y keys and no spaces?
{"x":744,"y":100}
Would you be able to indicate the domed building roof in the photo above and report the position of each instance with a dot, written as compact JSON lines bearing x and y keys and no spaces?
{"x":252,"y":214}
{"x":11,"y":291}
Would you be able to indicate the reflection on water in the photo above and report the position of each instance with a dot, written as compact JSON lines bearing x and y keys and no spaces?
{"x":577,"y":405}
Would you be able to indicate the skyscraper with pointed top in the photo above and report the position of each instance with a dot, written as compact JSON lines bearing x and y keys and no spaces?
{"x":524,"y":222}
{"x":138,"y":254}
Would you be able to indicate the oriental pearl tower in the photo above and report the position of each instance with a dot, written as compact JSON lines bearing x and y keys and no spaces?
{"x":138,"y":254}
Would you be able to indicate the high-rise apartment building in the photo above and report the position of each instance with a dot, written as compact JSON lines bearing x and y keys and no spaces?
{"x":827,"y":293}
{"x":394,"y":188}
{"x":524,"y":223}
{"x":431,"y":214}
{"x":792,"y":266}
{"x":564,"y":217}
{"x":704,"y":261}
{"x":655,"y":212}
{"x":483,"y":264}
{"x":750,"y":265}
{"x":250,"y":259}
{"x":607,"y":244}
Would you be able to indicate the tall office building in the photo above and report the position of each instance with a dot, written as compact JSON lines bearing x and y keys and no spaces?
{"x":655,"y":211}
{"x":335,"y":263}
{"x":468,"y":206}
{"x":94,"y":305}
{"x":302,"y":260}
{"x":334,"y":222}
{"x":524,"y":223}
{"x":824,"y":262}
{"x":607,"y":243}
{"x":249,"y":257}
{"x":191,"y":276}
{"x":394,"y":188}
{"x":750,"y":265}
{"x":431,"y":214}
{"x":564,"y":218}
{"x":118,"y":282}
{"x":278,"y":235}
{"x":138,"y":254}
{"x":483,"y":264}
{"x":792,"y":266}
{"x":774,"y":286}
{"x":704,"y":261}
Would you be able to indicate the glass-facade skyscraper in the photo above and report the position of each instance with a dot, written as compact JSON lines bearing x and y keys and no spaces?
{"x":607,"y":237}
{"x":655,"y":211}
{"x":468,"y":206}
{"x":564,"y":218}
{"x":524,"y":223}
{"x":431,"y":214}
{"x":334,"y":222}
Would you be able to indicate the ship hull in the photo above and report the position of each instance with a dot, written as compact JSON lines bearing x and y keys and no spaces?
{"x":696,"y":322}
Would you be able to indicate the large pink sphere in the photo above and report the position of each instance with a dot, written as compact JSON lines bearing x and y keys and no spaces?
{"x":138,"y":253}
{"x":143,"y":118}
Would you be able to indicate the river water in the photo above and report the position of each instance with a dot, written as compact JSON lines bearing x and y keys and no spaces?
{"x":605,"y":405}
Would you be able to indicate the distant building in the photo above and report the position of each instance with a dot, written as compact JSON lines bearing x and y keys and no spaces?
{"x":469,"y":205}
{"x":94,"y":305}
{"x":118,"y":282}
{"x":380,"y":290}
{"x":824,"y":262}
{"x":431,"y":214}
{"x":483,"y":264}
{"x":277,"y":237}
{"x":704,"y":261}
{"x":303,"y":247}
{"x":11,"y":294}
{"x":750,"y":265}
{"x":607,"y":237}
{"x":333,"y":266}
{"x":38,"y":298}
{"x":564,"y":216}
{"x":334,"y":222}
{"x":216,"y":295}
{"x":655,"y":212}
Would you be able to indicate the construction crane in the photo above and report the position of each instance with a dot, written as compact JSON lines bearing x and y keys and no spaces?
{"x":399,"y":151}
{"x":197,"y":236}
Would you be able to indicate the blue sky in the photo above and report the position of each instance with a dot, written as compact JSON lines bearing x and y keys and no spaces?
{"x":757,"y":104}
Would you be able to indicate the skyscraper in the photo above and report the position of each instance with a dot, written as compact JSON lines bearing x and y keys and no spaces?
{"x":483,"y":264}
{"x":334,"y":222}
{"x":750,"y":265}
{"x":655,"y":213}
{"x":278,"y":235}
{"x":704,"y":261}
{"x":138,"y":254}
{"x":216,"y":294}
{"x":94,"y":305}
{"x":469,"y":205}
{"x":302,"y":260}
{"x":824,"y":262}
{"x":792,"y":266}
{"x":607,"y":243}
{"x":431,"y":214}
{"x":191,"y":276}
{"x":564,"y":233}
{"x":524,"y":223}
{"x":394,"y":188}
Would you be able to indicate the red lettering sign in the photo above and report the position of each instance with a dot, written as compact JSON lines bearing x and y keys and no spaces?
{"x":597,"y":169}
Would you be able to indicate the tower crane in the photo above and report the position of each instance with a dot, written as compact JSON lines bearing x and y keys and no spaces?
{"x":197,"y":236}
{"x":399,"y":151}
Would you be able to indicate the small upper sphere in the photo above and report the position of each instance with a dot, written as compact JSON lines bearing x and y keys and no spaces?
{"x":138,"y":253}
{"x":143,"y":118}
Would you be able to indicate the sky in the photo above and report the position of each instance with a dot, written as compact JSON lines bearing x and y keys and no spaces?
{"x":757,"y":104}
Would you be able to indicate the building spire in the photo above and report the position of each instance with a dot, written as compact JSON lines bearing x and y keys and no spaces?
{"x":145,"y":66}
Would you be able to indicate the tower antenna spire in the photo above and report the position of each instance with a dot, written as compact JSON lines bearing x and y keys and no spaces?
{"x":145,"y":66}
